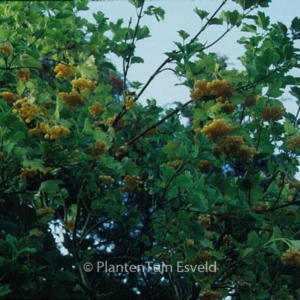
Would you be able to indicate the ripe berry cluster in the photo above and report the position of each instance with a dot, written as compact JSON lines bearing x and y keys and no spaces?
{"x":106,"y":180}
{"x":62,"y":70}
{"x":23,"y":75}
{"x":291,"y":257}
{"x":216,"y":88}
{"x":96,"y":109}
{"x":44,"y":211}
{"x":9,"y":97}
{"x":84,"y":84}
{"x":28,"y":172}
{"x":204,"y":220}
{"x":27,"y":110}
{"x":210,"y":295}
{"x":72,"y":99}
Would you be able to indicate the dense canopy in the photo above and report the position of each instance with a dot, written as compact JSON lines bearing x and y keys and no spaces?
{"x":102,"y":197}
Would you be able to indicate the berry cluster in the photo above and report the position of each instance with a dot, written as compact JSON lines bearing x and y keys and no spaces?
{"x":42,"y":129}
{"x":28,"y":172}
{"x":221,"y":89}
{"x":56,"y":132}
{"x":209,"y":235}
{"x":131,"y":183}
{"x":210,"y":295}
{"x":205,"y":221}
{"x":293,"y":143}
{"x":291,"y":257}
{"x":201,"y":257}
{"x":9,"y":97}
{"x":120,"y":123}
{"x":44,"y":211}
{"x":50,"y":133}
{"x":152,"y":131}
{"x":204,"y":166}
{"x":129,"y":102}
{"x":251,"y":100}
{"x":62,"y":70}
{"x":96,"y":109}
{"x":259,"y":207}
{"x":291,"y":213}
{"x":200,"y":90}
{"x":106,"y":180}
{"x":190,"y":243}
{"x":228,"y":107}
{"x":99,"y":148}
{"x":84,"y":84}
{"x":122,"y":152}
{"x":70,"y":225}
{"x":23,"y":75}
{"x":227,"y":239}
{"x":272,"y":113}
{"x":294,"y":185}
{"x":218,"y":128}
{"x":27,"y":110}
{"x":175,"y":163}
{"x":242,"y":285}
{"x":72,"y":99}
{"x":234,"y":146}
{"x":5,"y":49}
{"x":97,"y":124}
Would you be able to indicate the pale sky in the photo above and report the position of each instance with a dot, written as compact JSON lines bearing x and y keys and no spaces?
{"x":179,"y":15}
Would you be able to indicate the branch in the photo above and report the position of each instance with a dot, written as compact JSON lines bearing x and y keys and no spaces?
{"x":207,"y":23}
{"x":175,"y":111}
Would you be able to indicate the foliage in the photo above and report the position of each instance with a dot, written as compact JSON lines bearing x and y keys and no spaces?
{"x":129,"y":185}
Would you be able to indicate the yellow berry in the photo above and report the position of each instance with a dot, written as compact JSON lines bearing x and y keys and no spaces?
{"x":62,"y":70}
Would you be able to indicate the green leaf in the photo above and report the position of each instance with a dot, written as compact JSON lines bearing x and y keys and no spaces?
{"x":231,"y":17}
{"x":50,"y":187}
{"x":253,"y":239}
{"x":4,"y":290}
{"x":262,"y":20}
{"x":137,"y":3}
{"x":136,"y":60}
{"x":289,"y":127}
{"x":184,"y":181}
{"x":270,"y":57}
{"x":157,"y":11}
{"x":20,"y":87}
{"x":183,"y":34}
{"x":249,"y":28}
{"x":136,"y":85}
{"x":64,"y":15}
{"x":143,"y":32}
{"x":87,"y":128}
{"x":216,"y":21}
{"x":246,"y":4}
{"x":295,"y":91}
{"x":100,"y":135}
{"x":29,"y":61}
{"x":275,"y":88}
{"x":295,"y":244}
{"x":170,"y":149}
{"x":183,"y":152}
{"x":82,"y":5}
{"x":88,"y":69}
{"x":34,"y":163}
{"x":2,"y":259}
{"x":201,"y":13}
{"x":58,"y":108}
{"x":167,"y":172}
